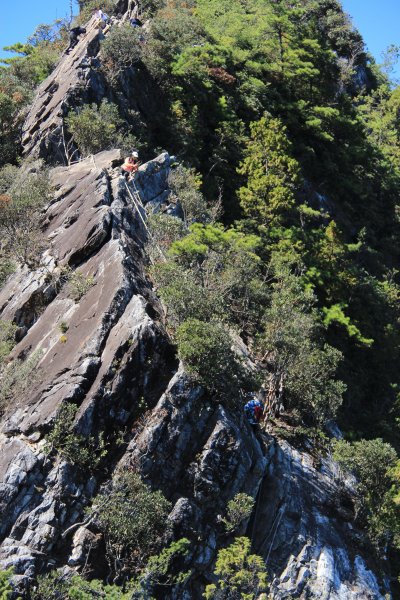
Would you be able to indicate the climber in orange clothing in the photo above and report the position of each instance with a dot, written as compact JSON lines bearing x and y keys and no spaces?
{"x":130,"y":165}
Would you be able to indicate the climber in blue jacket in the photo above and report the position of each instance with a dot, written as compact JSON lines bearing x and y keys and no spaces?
{"x":254,"y":410}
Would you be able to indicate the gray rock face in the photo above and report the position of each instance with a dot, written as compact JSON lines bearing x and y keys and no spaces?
{"x":304,"y":523}
{"x":113,"y":359}
{"x":201,"y":455}
{"x":75,"y":78}
{"x":113,"y":354}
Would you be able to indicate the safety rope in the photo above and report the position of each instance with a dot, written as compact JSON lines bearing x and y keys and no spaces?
{"x":281,"y":511}
{"x":137,"y":202}
{"x":256,"y":511}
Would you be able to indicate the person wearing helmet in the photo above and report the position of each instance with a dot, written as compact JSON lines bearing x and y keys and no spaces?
{"x":130,"y":165}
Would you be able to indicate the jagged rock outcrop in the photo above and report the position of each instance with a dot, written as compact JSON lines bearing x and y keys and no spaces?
{"x":114,"y":355}
{"x":75,"y":79}
{"x":197,"y":451}
{"x":90,"y":224}
{"x":305,"y":522}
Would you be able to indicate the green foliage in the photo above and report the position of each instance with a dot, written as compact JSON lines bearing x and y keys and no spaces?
{"x":132,"y":518}
{"x":301,"y":367}
{"x":379,"y":113}
{"x":95,"y":128}
{"x":173,"y":28}
{"x":55,"y":586}
{"x":36,"y":59}
{"x":17,"y":377}
{"x":164,"y":230}
{"x":241,"y":575}
{"x":7,"y":267}
{"x":79,"y":285}
{"x":6,"y":589}
{"x":120,"y":50}
{"x":205,"y":349}
{"x":75,"y":448}
{"x":33,"y":62}
{"x":7,"y":339}
{"x":64,"y":327}
{"x":185,"y":187}
{"x":221,"y":271}
{"x":162,"y":571}
{"x":335,"y":314}
{"x":376,"y":466}
{"x":24,"y":195}
{"x":272,"y":174}
{"x":239,"y":509}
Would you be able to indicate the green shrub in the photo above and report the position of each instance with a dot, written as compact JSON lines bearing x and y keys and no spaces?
{"x":73,"y":447}
{"x":16,"y":378}
{"x":120,"y":50}
{"x":164,"y":230}
{"x":221,"y":273}
{"x":239,"y":509}
{"x":95,"y":128}
{"x":172,"y":29}
{"x":63,"y":327}
{"x":56,"y":586}
{"x":185,"y":186}
{"x":184,"y":296}
{"x":7,"y":338}
{"x":272,"y":174}
{"x":376,"y":466}
{"x":133,"y":520}
{"x":163,"y":572}
{"x":301,"y":367}
{"x":24,"y":195}
{"x":6,"y":589}
{"x":206,"y":351}
{"x":7,"y":267}
{"x":79,"y":285}
{"x":241,"y":575}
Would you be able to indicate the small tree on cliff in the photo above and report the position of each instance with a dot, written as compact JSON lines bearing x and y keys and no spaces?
{"x":133,"y":520}
{"x":272,"y":174}
{"x":95,"y":128}
{"x":20,"y":214}
{"x":241,"y":575}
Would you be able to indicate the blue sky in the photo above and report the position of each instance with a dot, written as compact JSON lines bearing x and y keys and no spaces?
{"x":379,"y":22}
{"x":19,"y":18}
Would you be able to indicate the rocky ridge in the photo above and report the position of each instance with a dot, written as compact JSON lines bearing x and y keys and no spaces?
{"x":116,"y":354}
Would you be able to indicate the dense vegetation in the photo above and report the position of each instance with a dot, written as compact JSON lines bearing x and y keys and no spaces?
{"x":288,"y":128}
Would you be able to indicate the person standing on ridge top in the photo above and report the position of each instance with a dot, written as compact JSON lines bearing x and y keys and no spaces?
{"x":102,"y":18}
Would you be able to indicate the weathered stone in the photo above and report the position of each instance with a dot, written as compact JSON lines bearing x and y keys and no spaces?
{"x":44,"y":133}
{"x":84,"y":542}
{"x":115,"y":357}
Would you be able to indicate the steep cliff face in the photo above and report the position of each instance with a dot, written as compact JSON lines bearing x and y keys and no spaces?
{"x":115,"y":358}
{"x":75,"y":79}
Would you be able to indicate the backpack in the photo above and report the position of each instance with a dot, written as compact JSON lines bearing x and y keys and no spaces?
{"x":254,"y":410}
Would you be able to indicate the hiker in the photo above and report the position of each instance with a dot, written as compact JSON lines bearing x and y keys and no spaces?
{"x":102,"y":17}
{"x":254,"y":410}
{"x":135,"y":22}
{"x":74,"y":33}
{"x":130,"y":165}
